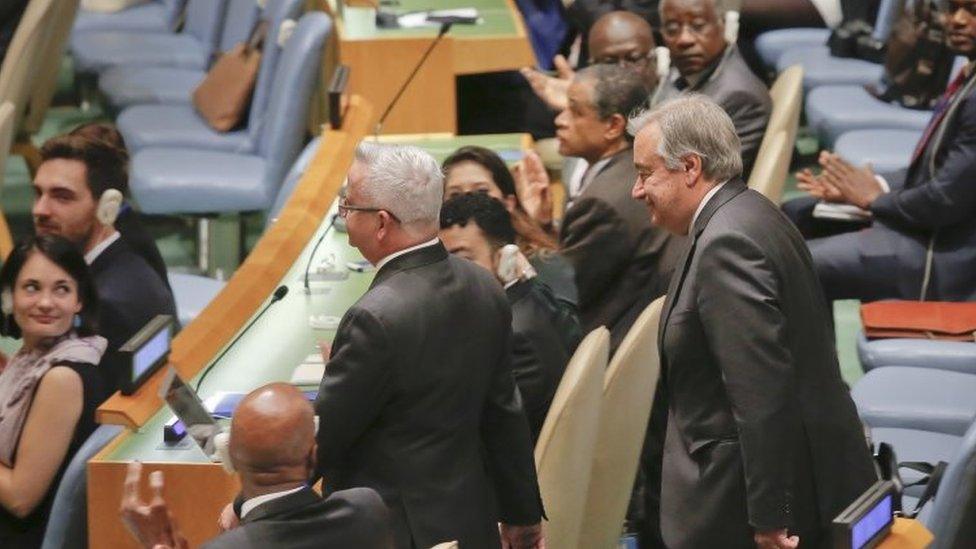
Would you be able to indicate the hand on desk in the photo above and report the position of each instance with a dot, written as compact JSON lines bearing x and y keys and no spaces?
{"x":151,"y":524}
{"x":532,"y":188}
{"x":776,"y":539}
{"x":552,"y":90}
{"x":522,"y":537}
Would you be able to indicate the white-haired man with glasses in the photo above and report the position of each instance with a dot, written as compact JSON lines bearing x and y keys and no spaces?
{"x":418,"y":389}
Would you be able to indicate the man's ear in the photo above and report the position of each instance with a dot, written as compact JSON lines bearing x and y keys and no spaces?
{"x":616,"y":127}
{"x":693,"y":168}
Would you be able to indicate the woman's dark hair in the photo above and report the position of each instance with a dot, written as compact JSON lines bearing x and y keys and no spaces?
{"x":531,"y":238}
{"x":64,"y":254}
{"x":487,"y":213}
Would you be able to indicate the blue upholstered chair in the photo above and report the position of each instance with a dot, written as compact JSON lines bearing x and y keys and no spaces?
{"x":886,"y":150}
{"x":126,"y":85}
{"x":957,"y":356}
{"x":917,"y":445}
{"x":291,"y":180}
{"x":917,"y":398}
{"x":67,"y":526}
{"x":954,"y":512}
{"x":192,"y":48}
{"x":179,"y":125}
{"x":770,"y":45}
{"x":173,"y":180}
{"x":820,"y":68}
{"x":152,"y":16}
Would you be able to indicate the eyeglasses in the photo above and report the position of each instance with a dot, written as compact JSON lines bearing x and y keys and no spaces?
{"x":345,"y":208}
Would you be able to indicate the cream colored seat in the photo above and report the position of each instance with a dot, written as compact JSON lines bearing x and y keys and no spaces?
{"x":49,"y":65}
{"x":6,"y":137}
{"x":769,"y":172}
{"x":564,"y":452}
{"x":628,"y":394}
{"x":20,"y":65}
{"x":787,"y":96}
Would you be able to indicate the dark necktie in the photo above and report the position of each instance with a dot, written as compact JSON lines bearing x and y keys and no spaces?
{"x":938,"y":114}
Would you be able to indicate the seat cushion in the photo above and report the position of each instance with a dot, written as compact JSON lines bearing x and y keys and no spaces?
{"x":834,"y":110}
{"x":191,"y":181}
{"x":820,"y":69}
{"x":886,"y":150}
{"x":771,"y":44}
{"x":955,"y":356}
{"x":914,"y":445}
{"x":917,"y":398}
{"x":145,"y":126}
{"x":125,"y":85}
{"x":192,"y":293}
{"x":97,"y":51}
{"x":151,"y":16}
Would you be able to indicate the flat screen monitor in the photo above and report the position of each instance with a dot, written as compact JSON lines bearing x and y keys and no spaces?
{"x":866,"y":522}
{"x":145,"y":352}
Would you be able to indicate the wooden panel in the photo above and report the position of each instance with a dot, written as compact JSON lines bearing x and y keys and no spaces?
{"x":260,"y":273}
{"x":195,"y":494}
{"x":381,"y":66}
{"x":907,"y":534}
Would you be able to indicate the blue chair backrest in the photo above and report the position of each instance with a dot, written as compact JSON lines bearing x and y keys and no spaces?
{"x":888,"y":12}
{"x":172,"y":10}
{"x":67,"y":526}
{"x":285,"y":120}
{"x":276,"y":12}
{"x":953,"y":518}
{"x":291,"y":180}
{"x":239,"y":19}
{"x":204,"y":19}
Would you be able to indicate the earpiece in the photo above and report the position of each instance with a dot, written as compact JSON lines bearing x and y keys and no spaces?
{"x":6,"y":302}
{"x":508,"y":263}
{"x":108,"y":207}
{"x":663,"y":56}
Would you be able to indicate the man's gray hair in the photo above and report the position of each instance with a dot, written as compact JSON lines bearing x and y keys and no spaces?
{"x":405,"y":181}
{"x":721,"y":7}
{"x":694,"y":124}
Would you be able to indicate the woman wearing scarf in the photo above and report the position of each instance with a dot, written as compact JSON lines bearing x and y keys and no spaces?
{"x":49,"y":389}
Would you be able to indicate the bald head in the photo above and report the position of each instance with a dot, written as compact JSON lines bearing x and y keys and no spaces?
{"x":272,"y":435}
{"x":620,"y":36}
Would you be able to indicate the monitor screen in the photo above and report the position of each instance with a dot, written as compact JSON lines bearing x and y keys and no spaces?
{"x":150,"y":352}
{"x":875,"y":520}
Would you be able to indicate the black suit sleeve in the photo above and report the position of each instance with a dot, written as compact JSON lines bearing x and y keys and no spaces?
{"x":357,"y":383}
{"x":746,"y":331}
{"x":598,"y":244}
{"x":946,"y":199}
{"x":508,"y":445}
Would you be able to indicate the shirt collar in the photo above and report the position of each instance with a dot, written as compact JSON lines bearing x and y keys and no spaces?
{"x":93,"y":254}
{"x":394,"y":255}
{"x":701,"y":205}
{"x":250,"y":504}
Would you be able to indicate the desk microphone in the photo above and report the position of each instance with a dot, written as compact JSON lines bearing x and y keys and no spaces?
{"x":308,"y":265}
{"x":445,"y":26}
{"x":277,"y":296}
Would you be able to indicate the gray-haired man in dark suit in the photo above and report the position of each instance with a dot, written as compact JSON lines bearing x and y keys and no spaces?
{"x":763,"y":442}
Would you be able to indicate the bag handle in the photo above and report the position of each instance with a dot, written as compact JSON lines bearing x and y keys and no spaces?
{"x":931,"y":480}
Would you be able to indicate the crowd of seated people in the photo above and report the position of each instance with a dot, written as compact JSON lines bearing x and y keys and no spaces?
{"x":753,"y":441}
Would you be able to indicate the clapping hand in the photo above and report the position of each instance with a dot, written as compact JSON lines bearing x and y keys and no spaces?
{"x":532,"y":188}
{"x":817,"y":186}
{"x":552,"y":90}
{"x":151,"y":524}
{"x":776,"y":539}
{"x":858,"y":185}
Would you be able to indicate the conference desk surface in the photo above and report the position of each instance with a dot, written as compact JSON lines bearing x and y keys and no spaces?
{"x":381,"y":60}
{"x":282,"y":338}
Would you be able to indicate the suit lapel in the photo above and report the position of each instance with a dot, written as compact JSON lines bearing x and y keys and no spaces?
{"x":417,"y":258}
{"x":729,"y":191}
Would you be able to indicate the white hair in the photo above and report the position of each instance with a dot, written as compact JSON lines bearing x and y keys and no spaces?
{"x":405,"y":181}
{"x":694,"y":124}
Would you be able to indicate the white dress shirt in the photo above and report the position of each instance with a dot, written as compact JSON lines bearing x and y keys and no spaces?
{"x":93,"y":254}
{"x":394,"y":255}
{"x":250,"y":504}
{"x":701,"y":205}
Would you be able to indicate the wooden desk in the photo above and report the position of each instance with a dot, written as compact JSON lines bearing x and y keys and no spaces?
{"x":382,"y":60}
{"x":196,"y":489}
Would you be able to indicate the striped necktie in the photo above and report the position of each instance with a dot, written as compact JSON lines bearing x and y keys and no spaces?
{"x":939,"y":113}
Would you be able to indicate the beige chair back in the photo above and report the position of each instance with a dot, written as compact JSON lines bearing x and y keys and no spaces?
{"x":769,"y":172}
{"x":628,"y":394}
{"x":6,"y":139}
{"x":49,"y":65}
{"x":564,"y":452}
{"x":19,"y":67}
{"x":787,"y":96}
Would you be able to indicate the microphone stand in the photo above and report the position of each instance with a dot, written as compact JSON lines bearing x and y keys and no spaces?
{"x":446,"y":26}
